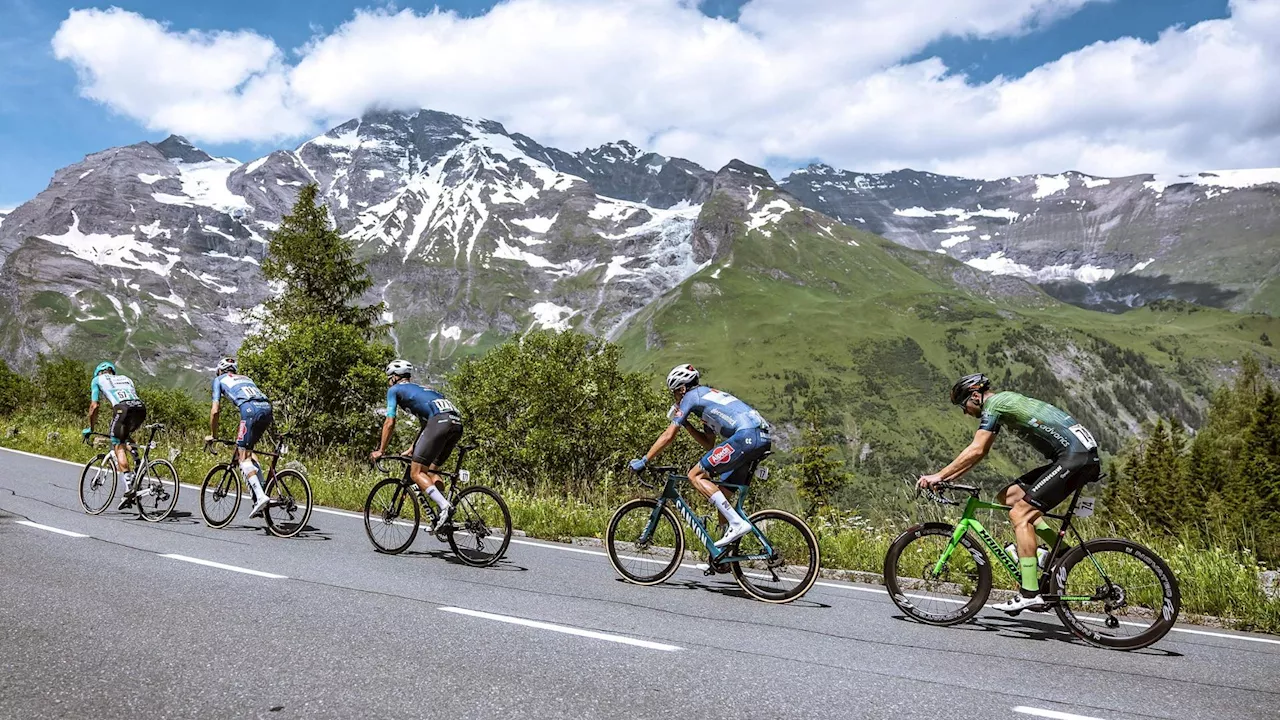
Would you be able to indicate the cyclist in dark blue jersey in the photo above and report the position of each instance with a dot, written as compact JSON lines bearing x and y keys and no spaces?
{"x":255,"y":418}
{"x":441,"y":431}
{"x":744,"y":440}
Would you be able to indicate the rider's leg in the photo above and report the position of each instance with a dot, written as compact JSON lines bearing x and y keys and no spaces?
{"x":1010,"y":496}
{"x":249,"y":469}
{"x":426,"y":478}
{"x":701,"y":479}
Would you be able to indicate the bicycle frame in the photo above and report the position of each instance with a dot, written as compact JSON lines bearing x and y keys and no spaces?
{"x":968,"y":522}
{"x":275,"y":457}
{"x":139,"y":461}
{"x":670,"y":494}
{"x":452,"y":478}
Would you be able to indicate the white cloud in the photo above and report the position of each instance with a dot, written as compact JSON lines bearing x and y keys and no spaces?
{"x":789,"y":79}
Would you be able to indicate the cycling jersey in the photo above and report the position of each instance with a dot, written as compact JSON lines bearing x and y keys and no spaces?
{"x":117,"y":388}
{"x":1048,"y":429}
{"x":422,"y":402}
{"x":722,"y":412}
{"x":238,"y":388}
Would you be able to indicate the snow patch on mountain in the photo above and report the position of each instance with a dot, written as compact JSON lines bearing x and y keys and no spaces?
{"x":1092,"y":182}
{"x":770,"y":214}
{"x":1047,"y":185}
{"x":1142,"y":265}
{"x":998,"y":264}
{"x":539,"y":225}
{"x":957,"y":229}
{"x":958,"y":214}
{"x":954,"y":241}
{"x":1228,"y":179}
{"x":205,"y":185}
{"x":123,"y":251}
{"x":549,"y":316}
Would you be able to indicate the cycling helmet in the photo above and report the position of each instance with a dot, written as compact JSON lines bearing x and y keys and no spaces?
{"x":108,"y":365}
{"x":968,"y":384}
{"x":226,"y":365}
{"x":399,"y":368}
{"x":682,"y":376}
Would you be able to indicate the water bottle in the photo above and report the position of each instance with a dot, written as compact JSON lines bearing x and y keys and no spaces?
{"x":1041,"y":553}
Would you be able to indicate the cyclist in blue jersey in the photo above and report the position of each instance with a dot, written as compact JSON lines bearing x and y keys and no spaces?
{"x":127,"y":414}
{"x":255,"y":418}
{"x":440,"y":433}
{"x":745,"y":440}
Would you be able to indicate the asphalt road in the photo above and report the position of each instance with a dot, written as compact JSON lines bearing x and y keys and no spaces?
{"x":104,"y":622}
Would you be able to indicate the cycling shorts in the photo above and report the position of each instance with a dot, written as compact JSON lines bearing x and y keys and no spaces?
{"x":732,"y":459}
{"x":439,"y":436}
{"x":255,"y":418}
{"x":1047,"y":486}
{"x":126,"y":417}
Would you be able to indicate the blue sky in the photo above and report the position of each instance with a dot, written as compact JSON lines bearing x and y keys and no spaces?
{"x":46,"y":123}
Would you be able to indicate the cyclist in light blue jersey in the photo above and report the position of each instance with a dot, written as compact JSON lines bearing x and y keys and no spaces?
{"x":441,"y":431}
{"x":745,"y":439}
{"x":127,"y":414}
{"x":255,"y":418}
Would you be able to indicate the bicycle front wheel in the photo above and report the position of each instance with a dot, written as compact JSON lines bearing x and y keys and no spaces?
{"x":220,"y":496}
{"x":158,"y":491}
{"x":481,"y":526}
{"x":1116,"y":594}
{"x":290,"y":507}
{"x":785,"y":561}
{"x":645,"y":545}
{"x":391,"y":516}
{"x":98,"y":484}
{"x":936,"y":593}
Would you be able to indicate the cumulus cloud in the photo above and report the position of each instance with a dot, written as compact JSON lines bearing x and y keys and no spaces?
{"x":828,"y":79}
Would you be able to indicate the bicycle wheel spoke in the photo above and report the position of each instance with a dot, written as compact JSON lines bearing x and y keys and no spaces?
{"x":640,"y":552}
{"x":481,"y":526}
{"x":938,"y":594}
{"x":780,"y":562}
{"x":158,"y":491}
{"x":290,"y":505}
{"x":220,"y":496}
{"x":1133,"y":598}
{"x":391,"y":517}
{"x":97,"y":484}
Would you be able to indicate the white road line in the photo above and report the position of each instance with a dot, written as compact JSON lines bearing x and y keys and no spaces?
{"x":687,"y":566}
{"x":562,"y":629}
{"x":60,"y":531}
{"x":221,"y":566}
{"x":1053,"y":714}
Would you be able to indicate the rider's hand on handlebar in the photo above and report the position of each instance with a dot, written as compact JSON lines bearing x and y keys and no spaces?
{"x":85,"y":432}
{"x":639,"y":464}
{"x":375,"y":456}
{"x":928,"y":481}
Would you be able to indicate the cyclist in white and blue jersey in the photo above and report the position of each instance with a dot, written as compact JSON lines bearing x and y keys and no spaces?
{"x":127,"y":415}
{"x":255,"y":418}
{"x":441,"y":431}
{"x":745,"y":439}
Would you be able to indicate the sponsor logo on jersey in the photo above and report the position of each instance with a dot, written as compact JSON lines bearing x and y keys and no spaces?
{"x":721,"y":455}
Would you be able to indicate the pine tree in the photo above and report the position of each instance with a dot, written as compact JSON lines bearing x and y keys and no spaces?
{"x":817,"y":468}
{"x":1258,"y":495}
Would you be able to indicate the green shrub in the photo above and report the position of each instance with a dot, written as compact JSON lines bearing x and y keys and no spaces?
{"x":176,"y":408}
{"x":62,"y":385}
{"x":15,"y":390}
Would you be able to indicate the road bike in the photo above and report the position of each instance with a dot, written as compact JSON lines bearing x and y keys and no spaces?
{"x":1109,"y":592}
{"x":777,"y":561}
{"x":155,"y":482}
{"x":478,"y":531}
{"x":289,"y":509}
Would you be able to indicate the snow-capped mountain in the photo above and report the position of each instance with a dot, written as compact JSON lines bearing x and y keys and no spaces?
{"x":1212,"y":238}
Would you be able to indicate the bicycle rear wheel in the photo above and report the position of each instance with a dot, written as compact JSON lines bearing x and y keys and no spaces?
{"x":481,"y":526}
{"x":98,"y":483}
{"x":220,"y":495}
{"x":948,"y":596}
{"x":157,"y":491}
{"x":290,"y":507}
{"x":391,"y":516}
{"x":1116,"y":594}
{"x":789,"y":570}
{"x":645,"y":546}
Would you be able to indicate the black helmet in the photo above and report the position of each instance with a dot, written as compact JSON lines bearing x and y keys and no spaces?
{"x":968,"y":384}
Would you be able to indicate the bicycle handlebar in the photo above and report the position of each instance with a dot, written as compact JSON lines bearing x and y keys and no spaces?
{"x":398,"y":458}
{"x":937,"y":493}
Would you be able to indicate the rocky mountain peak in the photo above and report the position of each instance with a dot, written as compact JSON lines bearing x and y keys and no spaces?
{"x":176,"y":147}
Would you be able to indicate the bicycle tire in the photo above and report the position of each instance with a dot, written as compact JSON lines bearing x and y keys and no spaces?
{"x":747,"y":572}
{"x":899,"y":581}
{"x":284,"y":516}
{"x":1087,"y":628}
{"x":93,"y":486}
{"x":380,"y":512}
{"x":635,"y":526}
{"x":221,"y":485}
{"x":475,"y":525}
{"x":162,"y":487}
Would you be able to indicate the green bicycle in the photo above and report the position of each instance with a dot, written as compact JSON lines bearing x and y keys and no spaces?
{"x":1109,"y":592}
{"x":776,"y":562}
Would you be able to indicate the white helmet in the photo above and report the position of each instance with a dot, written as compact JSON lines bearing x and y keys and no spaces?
{"x":682,"y":376}
{"x":226,"y":365}
{"x":400,"y":368}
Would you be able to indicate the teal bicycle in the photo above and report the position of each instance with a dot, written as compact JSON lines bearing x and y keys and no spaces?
{"x":1109,"y":592}
{"x":776,"y":562}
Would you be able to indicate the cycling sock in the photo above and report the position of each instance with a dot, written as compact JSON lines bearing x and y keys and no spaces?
{"x":722,"y":504}
{"x":250,"y":471}
{"x":1030,"y":575}
{"x":127,"y":479}
{"x":1046,"y":534}
{"x":437,"y":497}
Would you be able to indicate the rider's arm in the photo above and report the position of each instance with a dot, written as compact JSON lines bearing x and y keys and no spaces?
{"x":388,"y":426}
{"x":704,"y":436}
{"x":93,"y":402}
{"x":970,"y":456}
{"x":213,"y":418}
{"x":663,"y":441}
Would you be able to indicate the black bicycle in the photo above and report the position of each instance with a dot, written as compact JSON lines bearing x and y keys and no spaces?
{"x":1109,"y":592}
{"x":155,"y":482}
{"x":289,"y":509}
{"x":478,"y":531}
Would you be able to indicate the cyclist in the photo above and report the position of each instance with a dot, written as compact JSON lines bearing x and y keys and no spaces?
{"x":127,"y":414}
{"x":255,"y":418}
{"x":440,"y":433}
{"x":1073,"y":461}
{"x":745,"y":434}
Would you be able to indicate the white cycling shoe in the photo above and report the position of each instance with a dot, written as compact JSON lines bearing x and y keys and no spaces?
{"x":734,"y":532}
{"x":1021,"y":602}
{"x":260,"y":507}
{"x":446,"y":516}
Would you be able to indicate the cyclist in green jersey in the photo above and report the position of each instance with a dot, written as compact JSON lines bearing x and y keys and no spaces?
{"x":1073,"y":461}
{"x":127,"y":415}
